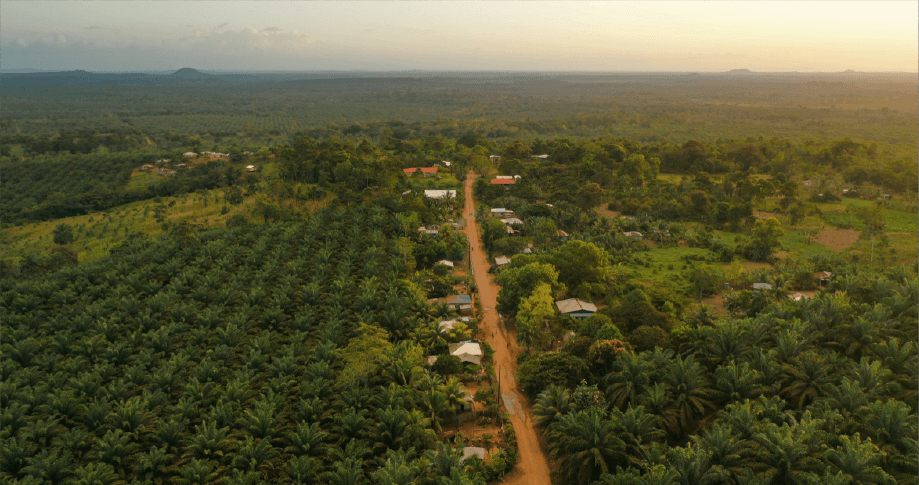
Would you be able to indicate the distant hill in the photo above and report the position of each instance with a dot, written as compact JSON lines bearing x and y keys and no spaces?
{"x":740,"y":71}
{"x":189,"y":73}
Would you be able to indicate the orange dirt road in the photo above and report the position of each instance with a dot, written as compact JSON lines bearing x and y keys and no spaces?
{"x":532,"y":468}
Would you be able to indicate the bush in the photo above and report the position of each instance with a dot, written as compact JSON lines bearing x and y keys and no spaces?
{"x":647,"y":338}
{"x":448,"y":365}
{"x":542,"y":370}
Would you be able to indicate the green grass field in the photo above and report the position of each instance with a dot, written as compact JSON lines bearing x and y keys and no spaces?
{"x":97,"y":233}
{"x":665,"y":265}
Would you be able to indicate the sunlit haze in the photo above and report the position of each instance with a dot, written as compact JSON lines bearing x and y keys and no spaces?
{"x":519,"y":36}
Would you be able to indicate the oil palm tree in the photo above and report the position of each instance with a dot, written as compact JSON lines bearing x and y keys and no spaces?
{"x":587,"y":446}
{"x":628,"y":380}
{"x":858,"y":460}
{"x":551,"y":404}
{"x":691,"y":390}
{"x":804,"y":379}
{"x":785,"y":454}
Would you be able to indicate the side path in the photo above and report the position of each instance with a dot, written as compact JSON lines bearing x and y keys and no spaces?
{"x":532,"y":467}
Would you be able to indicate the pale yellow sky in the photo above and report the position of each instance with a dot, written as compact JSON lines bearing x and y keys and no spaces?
{"x":596,"y":36}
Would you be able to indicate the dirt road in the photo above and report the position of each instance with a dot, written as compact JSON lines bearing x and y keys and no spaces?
{"x":532,"y":468}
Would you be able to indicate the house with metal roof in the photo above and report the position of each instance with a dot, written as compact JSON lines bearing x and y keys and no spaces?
{"x":447,"y":325}
{"x":470,"y":451}
{"x":460,"y":303}
{"x":467,"y":351}
{"x":440,"y":194}
{"x":575,"y":308}
{"x":761,"y":286}
{"x":823,"y":277}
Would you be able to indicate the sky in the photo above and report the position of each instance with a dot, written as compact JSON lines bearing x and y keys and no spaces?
{"x":774,"y":36}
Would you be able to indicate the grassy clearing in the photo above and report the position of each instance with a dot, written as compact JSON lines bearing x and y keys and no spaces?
{"x":665,"y":265}
{"x":802,"y":243}
{"x":97,"y":233}
{"x":141,"y":180}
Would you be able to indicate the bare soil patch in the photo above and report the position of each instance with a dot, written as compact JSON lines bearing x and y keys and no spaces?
{"x":763,"y":215}
{"x":838,"y":239}
{"x":716,"y":302}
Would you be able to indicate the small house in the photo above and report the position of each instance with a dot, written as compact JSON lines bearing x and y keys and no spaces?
{"x":430,"y":231}
{"x":761,"y":286}
{"x":494,"y":158}
{"x":502,"y":261}
{"x":460,"y":303}
{"x":446,"y":163}
{"x":189,"y":154}
{"x":447,"y":325}
{"x":798,"y":297}
{"x":503,"y":181}
{"x":467,"y":351}
{"x":512,"y":221}
{"x":575,"y":308}
{"x":633,"y":234}
{"x":182,"y":165}
{"x":501,"y":212}
{"x":440,"y":194}
{"x":444,"y":262}
{"x":250,"y":168}
{"x":542,"y":157}
{"x":470,"y":451}
{"x":561,"y":235}
{"x":823,"y":277}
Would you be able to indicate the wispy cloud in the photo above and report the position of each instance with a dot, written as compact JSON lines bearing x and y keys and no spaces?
{"x":92,"y":27}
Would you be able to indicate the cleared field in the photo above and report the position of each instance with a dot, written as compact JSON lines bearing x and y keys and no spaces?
{"x":97,"y":233}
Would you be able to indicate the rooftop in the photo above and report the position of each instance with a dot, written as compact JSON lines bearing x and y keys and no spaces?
{"x":572,"y":305}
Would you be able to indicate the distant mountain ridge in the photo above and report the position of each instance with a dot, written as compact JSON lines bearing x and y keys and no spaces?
{"x":189,"y":73}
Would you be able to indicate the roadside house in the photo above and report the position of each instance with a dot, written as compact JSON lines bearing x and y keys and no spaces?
{"x":470,"y":451}
{"x":460,"y":303}
{"x":575,"y":308}
{"x":501,"y":261}
{"x":440,"y":194}
{"x":467,"y":351}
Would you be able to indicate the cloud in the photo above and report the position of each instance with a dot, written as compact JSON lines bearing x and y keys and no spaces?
{"x":223,"y":25}
{"x":92,"y":27}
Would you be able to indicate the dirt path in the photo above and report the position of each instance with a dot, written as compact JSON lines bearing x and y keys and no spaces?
{"x":532,"y":468}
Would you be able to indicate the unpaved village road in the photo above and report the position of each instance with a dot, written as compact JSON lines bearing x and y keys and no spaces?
{"x":532,"y":468}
